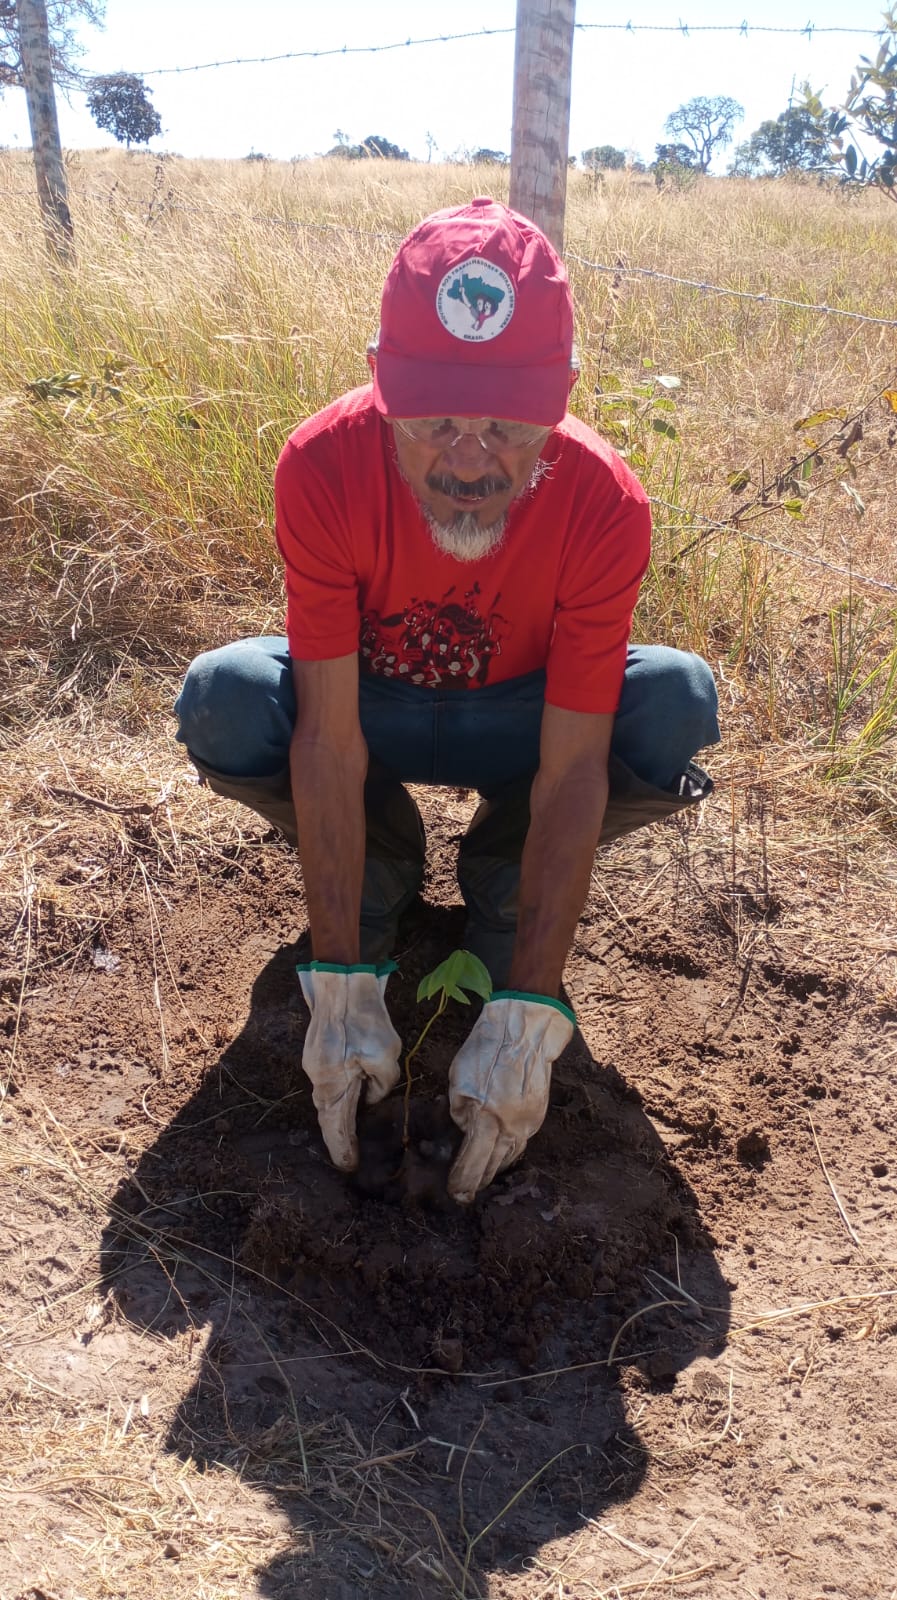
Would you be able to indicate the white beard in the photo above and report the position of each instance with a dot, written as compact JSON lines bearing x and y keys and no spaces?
{"x":466,"y":539}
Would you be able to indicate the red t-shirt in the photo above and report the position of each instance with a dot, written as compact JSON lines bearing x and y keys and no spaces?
{"x":363,"y":573}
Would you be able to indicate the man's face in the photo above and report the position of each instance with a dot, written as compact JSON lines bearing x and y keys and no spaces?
{"x":462,"y":478}
{"x":464,"y":489}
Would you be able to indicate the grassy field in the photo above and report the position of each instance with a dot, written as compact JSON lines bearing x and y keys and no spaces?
{"x":144,"y":397}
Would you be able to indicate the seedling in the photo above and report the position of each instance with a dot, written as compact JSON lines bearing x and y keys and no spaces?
{"x":461,"y":970}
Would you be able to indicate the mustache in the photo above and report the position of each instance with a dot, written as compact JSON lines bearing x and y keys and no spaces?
{"x":459,"y":488}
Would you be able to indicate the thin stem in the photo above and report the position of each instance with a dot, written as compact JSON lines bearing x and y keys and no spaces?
{"x":406,"y":1123}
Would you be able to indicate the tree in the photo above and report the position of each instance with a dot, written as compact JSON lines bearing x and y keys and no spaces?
{"x":49,"y":169}
{"x":373,"y":145}
{"x":795,"y":142}
{"x":376,"y":145}
{"x":489,"y":158}
{"x":119,"y":102}
{"x":705,"y":125}
{"x":64,"y":46}
{"x":871,"y":105}
{"x":603,"y":157}
{"x":674,"y":166}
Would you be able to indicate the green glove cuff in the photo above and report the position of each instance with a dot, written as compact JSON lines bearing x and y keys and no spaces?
{"x":537,"y":999}
{"x":384,"y":969}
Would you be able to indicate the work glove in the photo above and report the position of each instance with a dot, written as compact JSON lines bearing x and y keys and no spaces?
{"x":499,"y":1082}
{"x":350,"y":1044}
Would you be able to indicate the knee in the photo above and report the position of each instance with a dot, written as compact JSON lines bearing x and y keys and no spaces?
{"x":691,"y":695}
{"x":667,"y":712}
{"x":232,"y":711}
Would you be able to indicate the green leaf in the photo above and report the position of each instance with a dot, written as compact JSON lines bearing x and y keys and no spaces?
{"x":850,"y":160}
{"x":461,"y":970}
{"x":816,"y":417}
{"x":794,"y":508}
{"x":660,"y":426}
{"x":647,"y":363}
{"x":807,"y":466}
{"x":738,"y":481}
{"x":59,"y":386}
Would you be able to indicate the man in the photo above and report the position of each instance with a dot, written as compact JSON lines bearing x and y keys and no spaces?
{"x":462,"y":561}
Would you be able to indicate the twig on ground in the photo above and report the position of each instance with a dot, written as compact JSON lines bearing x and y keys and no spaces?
{"x":767,"y":1317}
{"x":656,"y":1305}
{"x":841,"y":1212}
{"x":611,"y":1533}
{"x":669,"y":1555}
{"x":157,"y":992}
{"x":141,"y":808}
{"x":471,"y":1543}
{"x":669,"y":1578}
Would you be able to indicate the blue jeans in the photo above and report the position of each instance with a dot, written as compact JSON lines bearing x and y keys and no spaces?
{"x":236,"y":715}
{"x":237,"y":710}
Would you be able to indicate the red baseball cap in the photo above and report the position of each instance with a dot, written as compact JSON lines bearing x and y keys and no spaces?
{"x":476,"y":320}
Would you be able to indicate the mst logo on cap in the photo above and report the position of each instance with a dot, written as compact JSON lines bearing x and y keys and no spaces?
{"x":475,"y":301}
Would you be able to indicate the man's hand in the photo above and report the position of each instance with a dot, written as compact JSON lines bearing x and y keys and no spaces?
{"x":350,"y":1043}
{"x":499,"y":1082}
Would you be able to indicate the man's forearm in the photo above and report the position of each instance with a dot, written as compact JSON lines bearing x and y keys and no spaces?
{"x":328,"y":794}
{"x":554,"y":876}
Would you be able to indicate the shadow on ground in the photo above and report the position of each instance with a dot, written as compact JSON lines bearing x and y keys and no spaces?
{"x":396,"y":1374}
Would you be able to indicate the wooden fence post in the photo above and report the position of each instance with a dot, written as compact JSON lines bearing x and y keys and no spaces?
{"x":52,"y":193}
{"x":543,"y":60}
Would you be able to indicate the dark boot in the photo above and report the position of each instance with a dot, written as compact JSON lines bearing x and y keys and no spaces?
{"x":489,"y":876}
{"x":490,"y":853}
{"x":394,"y":848}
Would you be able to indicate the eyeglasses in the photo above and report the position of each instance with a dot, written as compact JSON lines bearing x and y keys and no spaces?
{"x":490,"y":433}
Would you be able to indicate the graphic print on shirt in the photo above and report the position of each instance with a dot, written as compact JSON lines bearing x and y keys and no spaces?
{"x":437,"y":643}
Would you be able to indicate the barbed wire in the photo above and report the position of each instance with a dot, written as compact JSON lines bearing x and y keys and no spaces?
{"x":204,"y":208}
{"x":569,"y":255}
{"x":714,"y":525}
{"x":199,"y":209}
{"x":617,"y":270}
{"x":684,"y":29}
{"x":620,"y":271}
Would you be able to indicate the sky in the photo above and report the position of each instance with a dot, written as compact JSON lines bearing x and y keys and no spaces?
{"x":459,"y":93}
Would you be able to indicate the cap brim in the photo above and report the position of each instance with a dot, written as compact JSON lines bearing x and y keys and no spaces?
{"x":538,"y":395}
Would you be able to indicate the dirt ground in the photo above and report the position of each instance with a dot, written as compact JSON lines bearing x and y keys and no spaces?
{"x":654,"y":1358}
